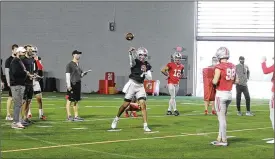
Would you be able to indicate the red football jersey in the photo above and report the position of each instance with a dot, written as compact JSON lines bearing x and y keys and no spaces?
{"x":175,"y":72}
{"x":227,"y":78}
{"x":209,"y":90}
{"x":267,"y":70}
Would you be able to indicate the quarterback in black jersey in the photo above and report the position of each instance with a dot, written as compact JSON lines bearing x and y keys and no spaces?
{"x":140,"y":69}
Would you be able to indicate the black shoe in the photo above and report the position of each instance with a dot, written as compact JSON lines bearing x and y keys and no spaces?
{"x":176,"y":113}
{"x":29,"y":121}
{"x":169,"y":113}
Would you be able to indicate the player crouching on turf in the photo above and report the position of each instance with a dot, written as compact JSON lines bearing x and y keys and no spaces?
{"x":133,"y":108}
{"x":268,"y":70}
{"x":224,"y":78}
{"x":174,"y":71}
{"x":134,"y":87}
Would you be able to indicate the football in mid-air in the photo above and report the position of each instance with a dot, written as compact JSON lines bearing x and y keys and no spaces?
{"x":129,"y":36}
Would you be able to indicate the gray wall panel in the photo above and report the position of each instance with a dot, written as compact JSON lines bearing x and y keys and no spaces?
{"x":57,"y":28}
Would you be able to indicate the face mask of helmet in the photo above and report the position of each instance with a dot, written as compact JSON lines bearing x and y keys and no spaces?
{"x":30,"y":54}
{"x":177,"y":58}
{"x":142,"y":54}
{"x":142,"y":57}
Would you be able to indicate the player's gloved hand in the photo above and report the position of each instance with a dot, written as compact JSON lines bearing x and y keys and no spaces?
{"x":263,"y":59}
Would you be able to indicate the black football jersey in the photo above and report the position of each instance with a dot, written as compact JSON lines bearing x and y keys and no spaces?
{"x":137,"y":70}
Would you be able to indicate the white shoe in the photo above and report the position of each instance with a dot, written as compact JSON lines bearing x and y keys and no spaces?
{"x":17,"y":126}
{"x":146,"y":129}
{"x":217,"y":143}
{"x":9,"y":118}
{"x":114,"y":123}
{"x":249,"y":114}
{"x":270,"y":142}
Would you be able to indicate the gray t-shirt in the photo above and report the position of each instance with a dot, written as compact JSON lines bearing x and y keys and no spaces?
{"x":75,"y":72}
{"x":242,"y":73}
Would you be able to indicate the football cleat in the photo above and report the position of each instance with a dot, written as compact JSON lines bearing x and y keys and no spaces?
{"x":249,"y":114}
{"x":134,"y":114}
{"x":214,"y":112}
{"x":17,"y":126}
{"x":78,"y":119}
{"x":114,"y":123}
{"x":205,"y":112}
{"x":126,"y":115}
{"x":70,"y":118}
{"x":217,"y":143}
{"x":169,"y":113}
{"x":43,"y":117}
{"x":176,"y":113}
{"x":146,"y":129}
{"x":239,"y":113}
{"x":9,"y":118}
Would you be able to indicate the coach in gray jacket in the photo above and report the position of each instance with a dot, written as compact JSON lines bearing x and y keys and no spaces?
{"x":243,"y":74}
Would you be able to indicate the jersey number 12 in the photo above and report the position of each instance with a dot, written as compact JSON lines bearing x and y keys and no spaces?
{"x":230,"y":74}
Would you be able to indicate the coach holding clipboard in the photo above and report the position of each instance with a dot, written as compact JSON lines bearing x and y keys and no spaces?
{"x":74,"y":74}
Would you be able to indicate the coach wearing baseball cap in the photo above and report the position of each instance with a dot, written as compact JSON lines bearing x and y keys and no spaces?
{"x":74,"y":74}
{"x":18,"y":75}
{"x":243,"y":73}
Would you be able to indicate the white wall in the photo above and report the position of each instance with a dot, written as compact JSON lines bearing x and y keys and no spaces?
{"x":259,"y":84}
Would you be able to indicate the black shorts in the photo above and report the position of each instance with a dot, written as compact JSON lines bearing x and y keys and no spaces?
{"x":28,"y":92}
{"x":10,"y":95}
{"x":75,"y":94}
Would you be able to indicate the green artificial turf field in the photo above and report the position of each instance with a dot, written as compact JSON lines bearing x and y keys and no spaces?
{"x":184,"y":137}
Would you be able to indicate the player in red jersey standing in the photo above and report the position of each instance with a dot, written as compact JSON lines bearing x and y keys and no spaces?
{"x":209,"y":90}
{"x":174,"y":71}
{"x":224,"y":78}
{"x":268,"y":70}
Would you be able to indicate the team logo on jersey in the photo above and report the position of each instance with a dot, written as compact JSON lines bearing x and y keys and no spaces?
{"x":149,"y":85}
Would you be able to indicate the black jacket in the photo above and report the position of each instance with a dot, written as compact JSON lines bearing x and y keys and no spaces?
{"x":17,"y":74}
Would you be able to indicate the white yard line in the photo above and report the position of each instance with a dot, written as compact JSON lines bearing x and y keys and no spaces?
{"x":125,"y":140}
{"x":83,"y":149}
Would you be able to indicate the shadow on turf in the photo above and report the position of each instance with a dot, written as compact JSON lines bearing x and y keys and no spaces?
{"x":89,"y":116}
{"x":152,"y":126}
{"x":236,"y":140}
